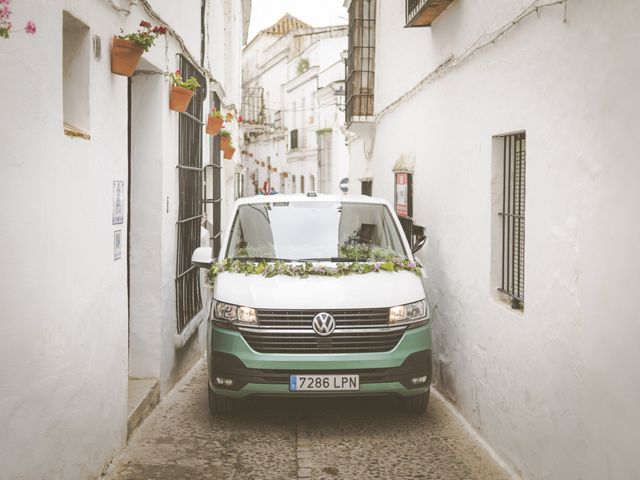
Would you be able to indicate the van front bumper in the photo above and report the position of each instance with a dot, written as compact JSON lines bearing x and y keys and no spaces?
{"x":267,"y":374}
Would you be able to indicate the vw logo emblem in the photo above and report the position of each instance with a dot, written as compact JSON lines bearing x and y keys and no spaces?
{"x":323,"y":324}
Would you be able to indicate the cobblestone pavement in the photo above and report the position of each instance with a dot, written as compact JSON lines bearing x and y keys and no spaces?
{"x":299,"y":438}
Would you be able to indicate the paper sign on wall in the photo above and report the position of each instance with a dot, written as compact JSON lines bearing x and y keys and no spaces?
{"x":118,"y":202}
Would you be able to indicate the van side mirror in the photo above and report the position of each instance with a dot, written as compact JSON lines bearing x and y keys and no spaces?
{"x":420,"y":241}
{"x":202,"y":257}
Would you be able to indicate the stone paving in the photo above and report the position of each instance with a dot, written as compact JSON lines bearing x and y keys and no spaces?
{"x":299,"y":438}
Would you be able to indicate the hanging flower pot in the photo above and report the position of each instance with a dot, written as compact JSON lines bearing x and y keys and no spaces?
{"x":214,"y":123}
{"x":125,"y":56}
{"x":228,"y":153}
{"x":180,"y":98}
{"x":225,"y":140}
{"x":182,"y":91}
{"x":126,"y":50}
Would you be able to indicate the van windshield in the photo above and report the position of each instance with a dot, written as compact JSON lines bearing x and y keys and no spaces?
{"x":314,"y":231}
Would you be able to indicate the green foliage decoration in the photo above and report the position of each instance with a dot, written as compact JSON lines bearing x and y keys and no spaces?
{"x":308,"y":269}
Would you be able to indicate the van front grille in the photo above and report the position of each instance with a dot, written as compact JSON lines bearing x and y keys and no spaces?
{"x":290,"y":331}
{"x":344,"y":318}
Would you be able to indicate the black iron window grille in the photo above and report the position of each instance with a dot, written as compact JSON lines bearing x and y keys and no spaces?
{"x":190,"y":182}
{"x":512,"y":215}
{"x":294,"y":139}
{"x":360,"y":65}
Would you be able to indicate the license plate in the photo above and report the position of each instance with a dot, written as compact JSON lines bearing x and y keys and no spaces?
{"x":324,"y":383}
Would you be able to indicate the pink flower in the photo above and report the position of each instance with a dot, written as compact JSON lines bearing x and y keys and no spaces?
{"x":5,"y":2}
{"x":5,"y":12}
{"x":30,"y":27}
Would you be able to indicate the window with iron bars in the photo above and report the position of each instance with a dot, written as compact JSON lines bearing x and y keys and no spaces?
{"x":253,"y":106}
{"x":512,"y":216}
{"x":190,"y":183}
{"x":360,"y":65}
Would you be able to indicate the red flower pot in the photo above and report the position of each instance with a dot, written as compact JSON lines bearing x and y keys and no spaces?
{"x":125,"y":56}
{"x":214,"y":124}
{"x":180,"y":98}
{"x":228,"y":153}
{"x":225,"y":143}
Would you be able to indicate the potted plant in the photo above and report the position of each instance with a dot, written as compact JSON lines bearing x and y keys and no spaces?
{"x":126,"y":50}
{"x":6,"y":27}
{"x":182,"y":91}
{"x":228,"y":153}
{"x":225,"y":140}
{"x":215,"y":122}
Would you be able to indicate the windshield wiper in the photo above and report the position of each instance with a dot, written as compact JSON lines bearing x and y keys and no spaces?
{"x":264,"y":259}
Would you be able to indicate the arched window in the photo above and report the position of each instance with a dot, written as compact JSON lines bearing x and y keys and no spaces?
{"x":312,"y":183}
{"x":293,"y":184}
{"x":301,"y":183}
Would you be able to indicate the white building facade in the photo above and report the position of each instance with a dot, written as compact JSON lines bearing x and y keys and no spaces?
{"x":103,"y":187}
{"x":500,"y":118}
{"x":293,"y":102}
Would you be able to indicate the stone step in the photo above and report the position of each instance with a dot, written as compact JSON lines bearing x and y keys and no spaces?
{"x":144,"y":395}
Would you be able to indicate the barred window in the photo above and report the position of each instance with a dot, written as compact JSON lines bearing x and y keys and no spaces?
{"x":190,"y":182}
{"x":360,"y":67}
{"x":512,"y":214}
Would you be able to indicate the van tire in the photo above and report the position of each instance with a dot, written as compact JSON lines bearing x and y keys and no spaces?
{"x":416,"y":403}
{"x":218,"y":404}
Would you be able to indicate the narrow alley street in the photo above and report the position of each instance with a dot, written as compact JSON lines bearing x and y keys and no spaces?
{"x":285,"y":438}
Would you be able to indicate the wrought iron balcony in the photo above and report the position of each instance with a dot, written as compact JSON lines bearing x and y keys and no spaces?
{"x":422,"y":13}
{"x":253,"y":107}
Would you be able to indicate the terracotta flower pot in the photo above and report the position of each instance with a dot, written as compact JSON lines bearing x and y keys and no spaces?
{"x":214,"y":124}
{"x":125,"y":56}
{"x":180,"y":98}
{"x":228,"y":153}
{"x":225,"y":143}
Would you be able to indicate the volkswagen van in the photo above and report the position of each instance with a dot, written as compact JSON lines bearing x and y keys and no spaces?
{"x":316,"y":295}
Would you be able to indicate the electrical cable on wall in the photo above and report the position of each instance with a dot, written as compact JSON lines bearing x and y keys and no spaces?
{"x":454,"y":61}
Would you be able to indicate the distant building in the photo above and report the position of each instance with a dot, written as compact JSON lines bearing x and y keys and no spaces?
{"x":293,"y":103}
{"x":102,"y":187}
{"x":507,"y":132}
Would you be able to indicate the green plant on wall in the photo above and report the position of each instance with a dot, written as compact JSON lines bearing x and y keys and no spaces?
{"x":303,"y":65}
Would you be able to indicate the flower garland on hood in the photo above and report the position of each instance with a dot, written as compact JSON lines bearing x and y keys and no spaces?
{"x":307,"y":269}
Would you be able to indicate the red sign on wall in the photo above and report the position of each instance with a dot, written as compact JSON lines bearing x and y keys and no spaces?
{"x":402,"y":194}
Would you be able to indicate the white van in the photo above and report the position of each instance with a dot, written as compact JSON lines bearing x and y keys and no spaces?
{"x":316,"y":295}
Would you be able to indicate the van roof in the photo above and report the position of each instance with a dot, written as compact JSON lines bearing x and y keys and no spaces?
{"x":305,"y":197}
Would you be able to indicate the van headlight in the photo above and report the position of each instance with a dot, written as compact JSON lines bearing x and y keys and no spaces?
{"x":235,"y":314}
{"x":409,"y":313}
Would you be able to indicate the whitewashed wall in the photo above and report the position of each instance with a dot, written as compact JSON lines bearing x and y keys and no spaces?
{"x":554,"y":390}
{"x":271,"y":62}
{"x":63,"y":331}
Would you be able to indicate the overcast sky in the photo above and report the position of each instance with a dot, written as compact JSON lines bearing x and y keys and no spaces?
{"x":317,"y":13}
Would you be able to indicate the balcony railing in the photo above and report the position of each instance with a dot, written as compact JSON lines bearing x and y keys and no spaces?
{"x":421,"y":13}
{"x":253,"y":107}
